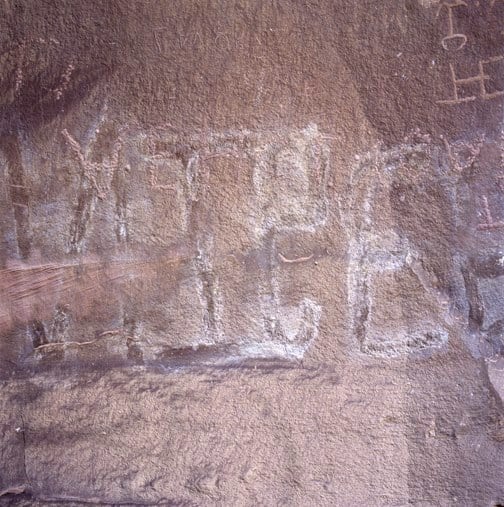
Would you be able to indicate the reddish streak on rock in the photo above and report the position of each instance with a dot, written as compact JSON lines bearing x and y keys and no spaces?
{"x":33,"y":291}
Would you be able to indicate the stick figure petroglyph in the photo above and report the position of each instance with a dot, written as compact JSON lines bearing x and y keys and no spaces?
{"x":95,"y":181}
{"x":99,"y":174}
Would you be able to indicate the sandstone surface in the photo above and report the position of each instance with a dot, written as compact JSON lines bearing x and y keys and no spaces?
{"x":251,"y":253}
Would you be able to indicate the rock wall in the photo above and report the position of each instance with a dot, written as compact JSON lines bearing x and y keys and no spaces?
{"x":251,"y":252}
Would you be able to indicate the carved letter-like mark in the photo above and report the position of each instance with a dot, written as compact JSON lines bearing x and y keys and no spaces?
{"x":210,"y":295}
{"x":19,"y":80}
{"x":489,"y":224}
{"x":459,"y":39}
{"x":480,"y":79}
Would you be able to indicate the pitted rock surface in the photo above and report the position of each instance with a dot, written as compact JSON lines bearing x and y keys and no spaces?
{"x":251,"y":253}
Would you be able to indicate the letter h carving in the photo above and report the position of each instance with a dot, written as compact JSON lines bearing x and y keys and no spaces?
{"x":479,"y":78}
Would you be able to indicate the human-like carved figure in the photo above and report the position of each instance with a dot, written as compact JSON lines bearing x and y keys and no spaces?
{"x":456,"y":267}
{"x":282,"y":176}
{"x":96,"y":178}
{"x":480,"y":255}
{"x":235,"y":289}
{"x":99,"y":174}
{"x":395,"y":304}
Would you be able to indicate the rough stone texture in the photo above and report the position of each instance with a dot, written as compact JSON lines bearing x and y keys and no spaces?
{"x":251,"y":252}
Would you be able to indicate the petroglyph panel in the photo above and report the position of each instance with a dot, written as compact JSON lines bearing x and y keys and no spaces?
{"x":473,"y":68}
{"x":480,"y":205}
{"x":413,"y":208}
{"x":252,"y":252}
{"x":289,"y":173}
{"x":189,"y":267}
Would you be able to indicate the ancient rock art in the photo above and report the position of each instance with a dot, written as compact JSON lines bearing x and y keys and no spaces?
{"x":120,"y":188}
{"x":209,"y":295}
{"x":480,"y":79}
{"x":65,"y":80}
{"x":290,"y":182}
{"x":481,"y":208}
{"x":171,"y":179}
{"x":95,"y":182}
{"x":387,"y":277}
{"x":290,"y":179}
{"x":489,"y":222}
{"x":385,"y":258}
{"x":289,"y":172}
{"x":466,"y":85}
{"x":252,"y":253}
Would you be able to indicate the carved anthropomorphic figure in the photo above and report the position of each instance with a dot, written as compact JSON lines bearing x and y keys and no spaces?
{"x":400,"y":221}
